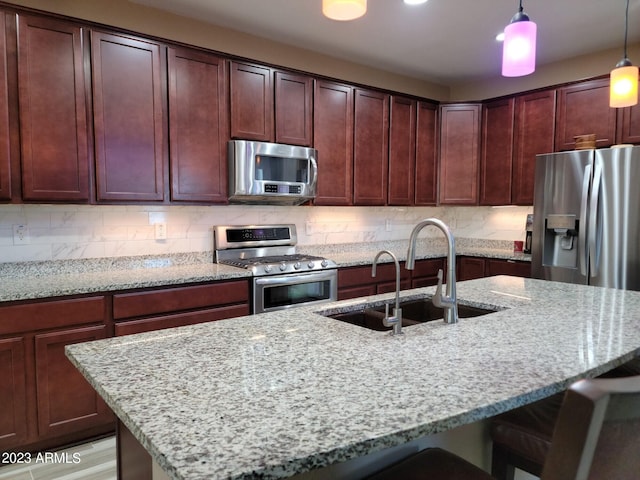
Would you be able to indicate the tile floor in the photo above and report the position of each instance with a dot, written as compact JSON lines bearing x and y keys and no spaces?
{"x":93,"y":461}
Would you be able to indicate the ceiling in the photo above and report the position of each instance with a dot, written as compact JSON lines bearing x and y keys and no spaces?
{"x":441,"y":41}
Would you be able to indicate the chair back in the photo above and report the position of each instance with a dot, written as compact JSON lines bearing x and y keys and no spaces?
{"x":597,"y":434}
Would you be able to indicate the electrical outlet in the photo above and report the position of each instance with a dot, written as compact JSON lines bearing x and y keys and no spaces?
{"x":21,"y":235}
{"x":160,"y":231}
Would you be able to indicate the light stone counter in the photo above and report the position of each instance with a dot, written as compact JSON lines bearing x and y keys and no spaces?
{"x":277,"y":394}
{"x":32,"y":280}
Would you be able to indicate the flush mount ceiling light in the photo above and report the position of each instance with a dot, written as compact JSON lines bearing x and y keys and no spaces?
{"x":415,"y":2}
{"x":519,"y":48}
{"x":623,"y":90}
{"x":344,"y":10}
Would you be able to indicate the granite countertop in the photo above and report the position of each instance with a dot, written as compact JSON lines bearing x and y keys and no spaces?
{"x":33,"y":280}
{"x":280,"y":393}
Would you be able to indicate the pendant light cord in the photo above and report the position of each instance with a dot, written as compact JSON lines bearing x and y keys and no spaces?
{"x":626,"y":27}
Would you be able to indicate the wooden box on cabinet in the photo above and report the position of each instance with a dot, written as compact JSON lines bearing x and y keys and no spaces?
{"x":49,"y":403}
{"x":583,"y":108}
{"x":128,"y":117}
{"x":459,"y":153}
{"x":333,"y":138}
{"x":154,"y":309}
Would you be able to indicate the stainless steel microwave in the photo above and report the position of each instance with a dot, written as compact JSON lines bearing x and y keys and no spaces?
{"x":271,"y":173}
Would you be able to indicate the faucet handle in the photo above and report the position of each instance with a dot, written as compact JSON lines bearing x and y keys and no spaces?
{"x":437,"y":297}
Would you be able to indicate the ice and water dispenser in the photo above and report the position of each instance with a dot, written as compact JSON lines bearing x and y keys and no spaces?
{"x":560,"y":241}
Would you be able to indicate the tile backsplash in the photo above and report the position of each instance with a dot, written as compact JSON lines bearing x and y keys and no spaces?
{"x":64,"y":232}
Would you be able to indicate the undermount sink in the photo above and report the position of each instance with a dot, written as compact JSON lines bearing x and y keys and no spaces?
{"x":413,"y":312}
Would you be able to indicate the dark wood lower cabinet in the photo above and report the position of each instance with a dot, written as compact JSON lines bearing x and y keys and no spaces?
{"x":13,"y":414}
{"x":477,"y":267}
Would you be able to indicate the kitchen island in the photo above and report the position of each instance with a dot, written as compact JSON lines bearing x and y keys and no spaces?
{"x":283,"y":393}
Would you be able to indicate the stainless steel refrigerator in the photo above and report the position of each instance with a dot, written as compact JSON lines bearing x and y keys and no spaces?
{"x":587,"y":217}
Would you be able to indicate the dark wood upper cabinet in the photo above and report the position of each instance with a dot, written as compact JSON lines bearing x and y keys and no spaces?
{"x":129,"y":118}
{"x":5,"y":145}
{"x":426,"y":184}
{"x":333,"y":138}
{"x":629,"y":128}
{"x":497,"y":152}
{"x":198,"y":126}
{"x":294,"y":109}
{"x":583,"y":109}
{"x":53,"y":120}
{"x":402,"y":151}
{"x":533,"y":135}
{"x":459,"y":153}
{"x":251,"y":102}
{"x":370,"y":147}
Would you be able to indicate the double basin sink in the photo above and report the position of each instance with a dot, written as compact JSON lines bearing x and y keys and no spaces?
{"x":413,"y":312}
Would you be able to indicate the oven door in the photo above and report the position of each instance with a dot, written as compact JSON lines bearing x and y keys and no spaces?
{"x":285,"y":291}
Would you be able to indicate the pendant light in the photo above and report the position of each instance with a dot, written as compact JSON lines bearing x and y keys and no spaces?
{"x":344,"y":9}
{"x":519,"y":48}
{"x":623,"y":90}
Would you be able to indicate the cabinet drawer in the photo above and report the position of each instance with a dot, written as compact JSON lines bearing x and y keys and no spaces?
{"x":137,"y":304}
{"x":180,"y":319}
{"x":53,"y":314}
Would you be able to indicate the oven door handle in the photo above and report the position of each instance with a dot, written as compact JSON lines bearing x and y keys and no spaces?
{"x":292,"y":279}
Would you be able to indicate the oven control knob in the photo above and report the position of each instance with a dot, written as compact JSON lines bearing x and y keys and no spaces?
{"x":267,"y":268}
{"x":324,"y":263}
{"x":310,"y":265}
{"x":296,"y":265}
{"x":283,"y":266}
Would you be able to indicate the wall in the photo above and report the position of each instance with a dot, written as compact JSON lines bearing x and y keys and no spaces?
{"x":62,"y":232}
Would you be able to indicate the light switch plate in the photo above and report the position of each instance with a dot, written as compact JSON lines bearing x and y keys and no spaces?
{"x":21,"y":235}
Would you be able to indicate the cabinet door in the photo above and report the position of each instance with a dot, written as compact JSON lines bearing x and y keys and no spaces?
{"x":629,"y":131}
{"x":370,"y":148}
{"x":426,"y":185}
{"x":251,"y":102}
{"x":294,"y":109}
{"x":470,"y":268}
{"x":534,"y":127}
{"x":128,"y":118}
{"x":53,"y":125}
{"x":5,"y":152}
{"x":425,"y":272}
{"x":198,"y":126}
{"x":333,"y":138}
{"x":497,"y":152}
{"x":583,"y":109}
{"x":66,"y":401}
{"x":13,"y":414}
{"x":459,"y":154}
{"x":508,"y":267}
{"x":402,"y":151}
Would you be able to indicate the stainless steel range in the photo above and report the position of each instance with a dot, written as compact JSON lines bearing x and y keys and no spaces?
{"x":282,"y":277}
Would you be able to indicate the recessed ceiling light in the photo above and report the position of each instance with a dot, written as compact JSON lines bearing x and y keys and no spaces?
{"x":414,"y":2}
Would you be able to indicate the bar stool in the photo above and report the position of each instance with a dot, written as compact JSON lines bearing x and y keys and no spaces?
{"x":522,"y":437}
{"x":596,"y":436}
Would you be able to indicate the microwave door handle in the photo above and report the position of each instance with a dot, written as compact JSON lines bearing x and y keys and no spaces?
{"x":582,"y":231}
{"x":314,"y":170}
{"x":594,"y":257}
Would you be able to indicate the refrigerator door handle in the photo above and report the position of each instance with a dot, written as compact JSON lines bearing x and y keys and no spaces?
{"x":594,"y":259}
{"x":582,"y":230}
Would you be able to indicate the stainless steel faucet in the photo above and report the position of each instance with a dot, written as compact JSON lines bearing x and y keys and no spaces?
{"x":448,"y":302}
{"x":395,"y":320}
